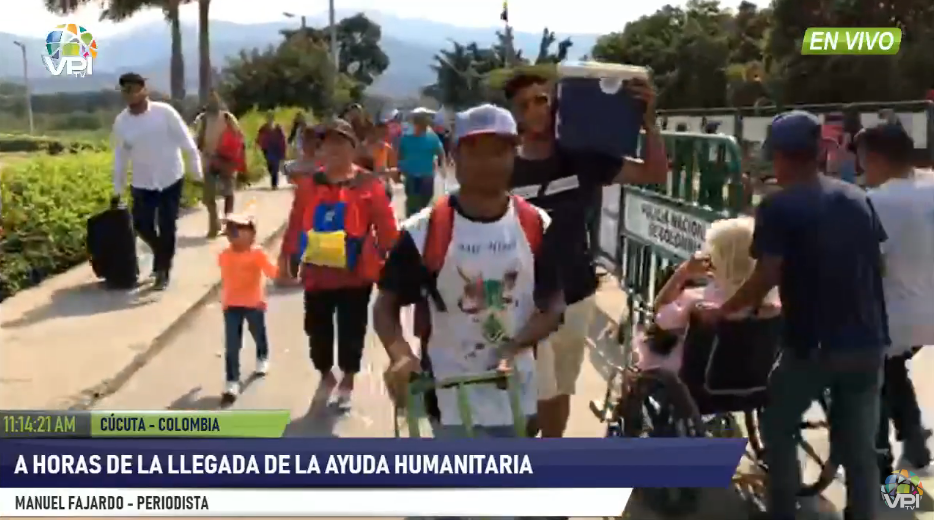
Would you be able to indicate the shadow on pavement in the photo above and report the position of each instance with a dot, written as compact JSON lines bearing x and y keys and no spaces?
{"x":189,"y":241}
{"x":85,"y":300}
{"x":192,"y":400}
{"x":319,"y":421}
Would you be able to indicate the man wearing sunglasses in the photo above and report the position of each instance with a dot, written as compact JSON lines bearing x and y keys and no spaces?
{"x":566,"y":184}
{"x":151,"y":135}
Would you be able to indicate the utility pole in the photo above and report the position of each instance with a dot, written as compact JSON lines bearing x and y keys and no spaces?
{"x":335,"y":50}
{"x":32,"y":125}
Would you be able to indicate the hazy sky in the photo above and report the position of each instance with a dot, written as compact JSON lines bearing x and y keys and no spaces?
{"x":28,"y":18}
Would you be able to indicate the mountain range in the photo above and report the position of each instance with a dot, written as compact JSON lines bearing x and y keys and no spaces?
{"x":409,"y":43}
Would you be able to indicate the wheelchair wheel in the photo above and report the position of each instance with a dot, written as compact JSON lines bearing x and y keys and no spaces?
{"x":829,"y":469}
{"x":659,"y":405}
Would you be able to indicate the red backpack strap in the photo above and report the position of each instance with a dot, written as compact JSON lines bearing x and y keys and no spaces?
{"x":438,"y":235}
{"x":531,"y":221}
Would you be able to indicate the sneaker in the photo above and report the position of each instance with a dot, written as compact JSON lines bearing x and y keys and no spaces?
{"x":231,"y":390}
{"x":262,"y":366}
{"x":342,"y":399}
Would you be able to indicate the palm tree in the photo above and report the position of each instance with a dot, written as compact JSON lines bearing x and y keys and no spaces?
{"x":205,"y":72}
{"x":120,"y":10}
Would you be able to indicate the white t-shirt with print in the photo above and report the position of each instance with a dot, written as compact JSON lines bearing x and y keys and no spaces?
{"x":906,"y":210}
{"x":487,"y":283}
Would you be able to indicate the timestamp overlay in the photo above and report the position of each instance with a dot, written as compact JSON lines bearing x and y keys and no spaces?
{"x":40,"y":424}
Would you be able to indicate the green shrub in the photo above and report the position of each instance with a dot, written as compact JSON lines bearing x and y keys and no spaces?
{"x":47,"y":199}
{"x":49,"y":145}
{"x":46,"y":204}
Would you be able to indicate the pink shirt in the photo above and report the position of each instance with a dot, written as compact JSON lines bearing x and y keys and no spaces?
{"x":676,"y":315}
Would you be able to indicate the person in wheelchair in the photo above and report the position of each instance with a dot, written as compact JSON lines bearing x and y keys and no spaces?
{"x":709,"y":277}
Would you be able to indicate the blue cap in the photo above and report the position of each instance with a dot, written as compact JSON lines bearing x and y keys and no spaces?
{"x":796,"y":131}
{"x":485,"y":119}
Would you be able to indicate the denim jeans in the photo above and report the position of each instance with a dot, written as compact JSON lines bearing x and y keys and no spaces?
{"x":154,"y":215}
{"x":233,"y":337}
{"x":854,"y":378}
{"x":273,"y":163}
{"x":900,"y":406}
{"x":418,"y":193}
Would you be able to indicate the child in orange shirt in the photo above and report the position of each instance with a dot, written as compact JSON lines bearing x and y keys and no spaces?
{"x":243,"y":295}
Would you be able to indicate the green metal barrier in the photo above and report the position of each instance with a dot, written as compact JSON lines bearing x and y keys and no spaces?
{"x":646,"y":229}
{"x":749,"y":125}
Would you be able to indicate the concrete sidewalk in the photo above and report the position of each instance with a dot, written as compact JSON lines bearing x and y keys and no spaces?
{"x":67,"y":342}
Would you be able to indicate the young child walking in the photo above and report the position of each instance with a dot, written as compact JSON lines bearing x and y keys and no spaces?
{"x":243,"y":295}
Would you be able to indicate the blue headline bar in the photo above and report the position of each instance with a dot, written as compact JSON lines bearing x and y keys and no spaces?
{"x":372,"y":463}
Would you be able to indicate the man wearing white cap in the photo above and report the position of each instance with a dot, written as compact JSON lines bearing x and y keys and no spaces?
{"x":479,"y":237}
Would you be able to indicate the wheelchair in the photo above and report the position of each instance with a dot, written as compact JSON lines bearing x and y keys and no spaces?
{"x":720,"y":391}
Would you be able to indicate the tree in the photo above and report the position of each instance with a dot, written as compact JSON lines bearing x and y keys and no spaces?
{"x":358,"y":40}
{"x":205,"y":71}
{"x":469,"y":74}
{"x":120,"y":10}
{"x":459,"y":76}
{"x":687,"y":51}
{"x":544,"y":48}
{"x":298,"y":72}
{"x":817,"y":79}
{"x":705,"y":56}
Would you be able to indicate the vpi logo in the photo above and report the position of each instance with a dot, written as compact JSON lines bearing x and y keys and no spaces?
{"x":71,"y":50}
{"x":902,"y":490}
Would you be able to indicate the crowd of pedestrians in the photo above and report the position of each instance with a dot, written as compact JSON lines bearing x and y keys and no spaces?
{"x":501,"y":274}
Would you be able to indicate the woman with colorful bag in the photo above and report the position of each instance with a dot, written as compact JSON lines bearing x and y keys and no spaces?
{"x":223,"y":154}
{"x":342,"y":225}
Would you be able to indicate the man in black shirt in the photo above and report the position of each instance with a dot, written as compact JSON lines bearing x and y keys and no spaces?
{"x":819,"y":240}
{"x":566,"y":185}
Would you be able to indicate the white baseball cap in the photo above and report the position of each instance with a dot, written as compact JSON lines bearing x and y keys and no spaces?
{"x":485,"y":119}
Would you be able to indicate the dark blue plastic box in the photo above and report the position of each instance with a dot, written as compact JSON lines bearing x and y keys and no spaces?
{"x":595,"y":113}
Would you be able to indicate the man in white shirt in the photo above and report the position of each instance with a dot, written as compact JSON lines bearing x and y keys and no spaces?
{"x":151,"y":135}
{"x":904,"y":202}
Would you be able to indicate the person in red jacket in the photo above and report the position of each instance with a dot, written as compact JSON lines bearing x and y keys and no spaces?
{"x":271,"y":140}
{"x":342,"y":225}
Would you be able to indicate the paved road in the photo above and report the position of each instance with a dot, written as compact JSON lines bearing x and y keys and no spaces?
{"x":188,"y":374}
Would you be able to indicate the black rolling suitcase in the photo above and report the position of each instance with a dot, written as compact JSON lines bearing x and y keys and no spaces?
{"x":112,"y":248}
